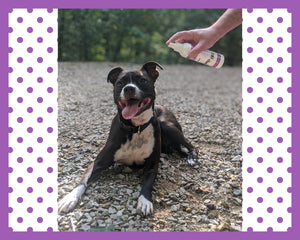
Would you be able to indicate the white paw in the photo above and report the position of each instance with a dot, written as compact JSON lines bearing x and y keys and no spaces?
{"x":69,"y":202}
{"x":192,"y":160}
{"x":145,"y":206}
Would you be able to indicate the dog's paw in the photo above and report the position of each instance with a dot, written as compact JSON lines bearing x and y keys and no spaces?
{"x":145,"y":206}
{"x":192,"y":159}
{"x":69,"y":202}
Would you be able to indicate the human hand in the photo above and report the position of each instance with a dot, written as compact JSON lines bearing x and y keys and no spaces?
{"x":200,"y":39}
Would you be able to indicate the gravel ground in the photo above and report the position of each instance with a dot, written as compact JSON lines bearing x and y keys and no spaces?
{"x":207,"y":197}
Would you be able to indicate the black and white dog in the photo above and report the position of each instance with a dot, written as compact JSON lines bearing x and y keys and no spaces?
{"x":139,"y":132}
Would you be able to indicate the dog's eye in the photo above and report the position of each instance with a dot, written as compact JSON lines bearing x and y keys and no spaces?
{"x":119,"y":84}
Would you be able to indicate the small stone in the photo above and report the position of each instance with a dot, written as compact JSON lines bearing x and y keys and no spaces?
{"x":174,"y":208}
{"x":213,"y":214}
{"x":111,"y":210}
{"x":237,"y":192}
{"x":127,"y":170}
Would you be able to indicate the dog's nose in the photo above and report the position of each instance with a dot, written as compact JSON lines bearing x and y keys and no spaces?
{"x":129,"y":90}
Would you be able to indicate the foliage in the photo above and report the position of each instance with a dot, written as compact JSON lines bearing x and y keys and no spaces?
{"x":136,"y":35}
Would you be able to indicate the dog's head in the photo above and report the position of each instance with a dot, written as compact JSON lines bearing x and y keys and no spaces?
{"x":134,"y":91}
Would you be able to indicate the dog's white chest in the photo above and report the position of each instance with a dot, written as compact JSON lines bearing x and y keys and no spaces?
{"x":138,"y":148}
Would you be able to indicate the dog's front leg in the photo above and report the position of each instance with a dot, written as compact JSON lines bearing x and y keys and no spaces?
{"x":150,"y":171}
{"x":103,"y":161}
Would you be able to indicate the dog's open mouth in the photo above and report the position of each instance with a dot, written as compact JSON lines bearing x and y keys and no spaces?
{"x":132,"y":107}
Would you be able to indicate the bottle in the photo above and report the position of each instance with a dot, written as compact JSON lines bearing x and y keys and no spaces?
{"x":206,"y":57}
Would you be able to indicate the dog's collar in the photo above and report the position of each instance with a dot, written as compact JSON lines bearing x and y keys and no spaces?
{"x":136,"y":129}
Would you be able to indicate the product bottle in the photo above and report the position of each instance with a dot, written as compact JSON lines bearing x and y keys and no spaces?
{"x":207,"y":57}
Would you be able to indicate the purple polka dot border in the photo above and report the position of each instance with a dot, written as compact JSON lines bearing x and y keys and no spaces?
{"x":267,"y":120}
{"x":33,"y":120}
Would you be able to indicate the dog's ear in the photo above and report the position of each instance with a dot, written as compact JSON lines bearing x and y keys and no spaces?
{"x":114,"y":74}
{"x":150,"y":68}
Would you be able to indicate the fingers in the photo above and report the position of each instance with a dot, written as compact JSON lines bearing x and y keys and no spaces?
{"x":180,"y":37}
{"x":195,"y":51}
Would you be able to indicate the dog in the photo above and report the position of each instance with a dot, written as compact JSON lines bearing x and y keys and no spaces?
{"x":139,"y":132}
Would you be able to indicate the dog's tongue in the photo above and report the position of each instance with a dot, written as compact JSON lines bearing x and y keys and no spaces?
{"x":130,"y":110}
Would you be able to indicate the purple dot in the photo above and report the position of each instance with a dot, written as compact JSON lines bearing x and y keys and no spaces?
{"x":270,"y":209}
{"x":249,"y":89}
{"x":39,"y":179}
{"x":19,"y":220}
{"x":49,"y":29}
{"x":30,"y":50}
{"x":10,"y":189}
{"x":19,"y":180}
{"x":289,"y":49}
{"x":39,"y":19}
{"x":249,"y":109}
{"x":249,"y":209}
{"x":10,"y":210}
{"x":249,"y":229}
{"x":20,"y":140}
{"x":260,"y":160}
{"x":39,"y":79}
{"x":29,"y":29}
{"x":249,"y":129}
{"x":270,"y":170}
{"x":30,"y":150}
{"x":49,"y":69}
{"x":249,"y":149}
{"x":39,"y":99}
{"x":260,"y":60}
{"x":39,"y":119}
{"x":10,"y":30}
{"x":39,"y":159}
{"x":279,"y":59}
{"x":249,"y":169}
{"x":249,"y":10}
{"x":260,"y":139}
{"x":19,"y":60}
{"x":289,"y":69}
{"x":49,"y":89}
{"x":249,"y":189}
{"x":259,"y":79}
{"x":270,"y":109}
{"x":29,"y":169}
{"x":280,"y":220}
{"x":289,"y":209}
{"x":20,"y":79}
{"x":279,"y":99}
{"x":249,"y":49}
{"x":270,"y":49}
{"x":39,"y":199}
{"x":49,"y":109}
{"x":289,"y":190}
{"x":280,"y":200}
{"x":49,"y":149}
{"x":280,"y":160}
{"x":30,"y":130}
{"x":260,"y":39}
{"x":39,"y":59}
{"x":10,"y":169}
{"x":49,"y":189}
{"x":260,"y":20}
{"x":270,"y":29}
{"x":19,"y":119}
{"x":19,"y":99}
{"x":49,"y":49}
{"x":260,"y":119}
{"x":30,"y":90}
{"x":259,"y":99}
{"x":289,"y":170}
{"x":39,"y":219}
{"x":249,"y":29}
{"x":289,"y":89}
{"x":30,"y":210}
{"x":19,"y":200}
{"x":49,"y":129}
{"x":280,"y":20}
{"x":289,"y":29}
{"x":39,"y":139}
{"x":39,"y":39}
{"x":270,"y":149}
{"x":20,"y":159}
{"x":20,"y":20}
{"x":270,"y":129}
{"x":10,"y":49}
{"x":49,"y":209}
{"x":260,"y":179}
{"x":49,"y":169}
{"x":260,"y":220}
{"x":30,"y":70}
{"x":29,"y":10}
{"x":29,"y":229}
{"x":280,"y":180}
{"x":29,"y":109}
{"x":280,"y":120}
{"x":19,"y":40}
{"x":270,"y":69}
{"x":260,"y":199}
{"x":270,"y":189}
{"x":280,"y":39}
